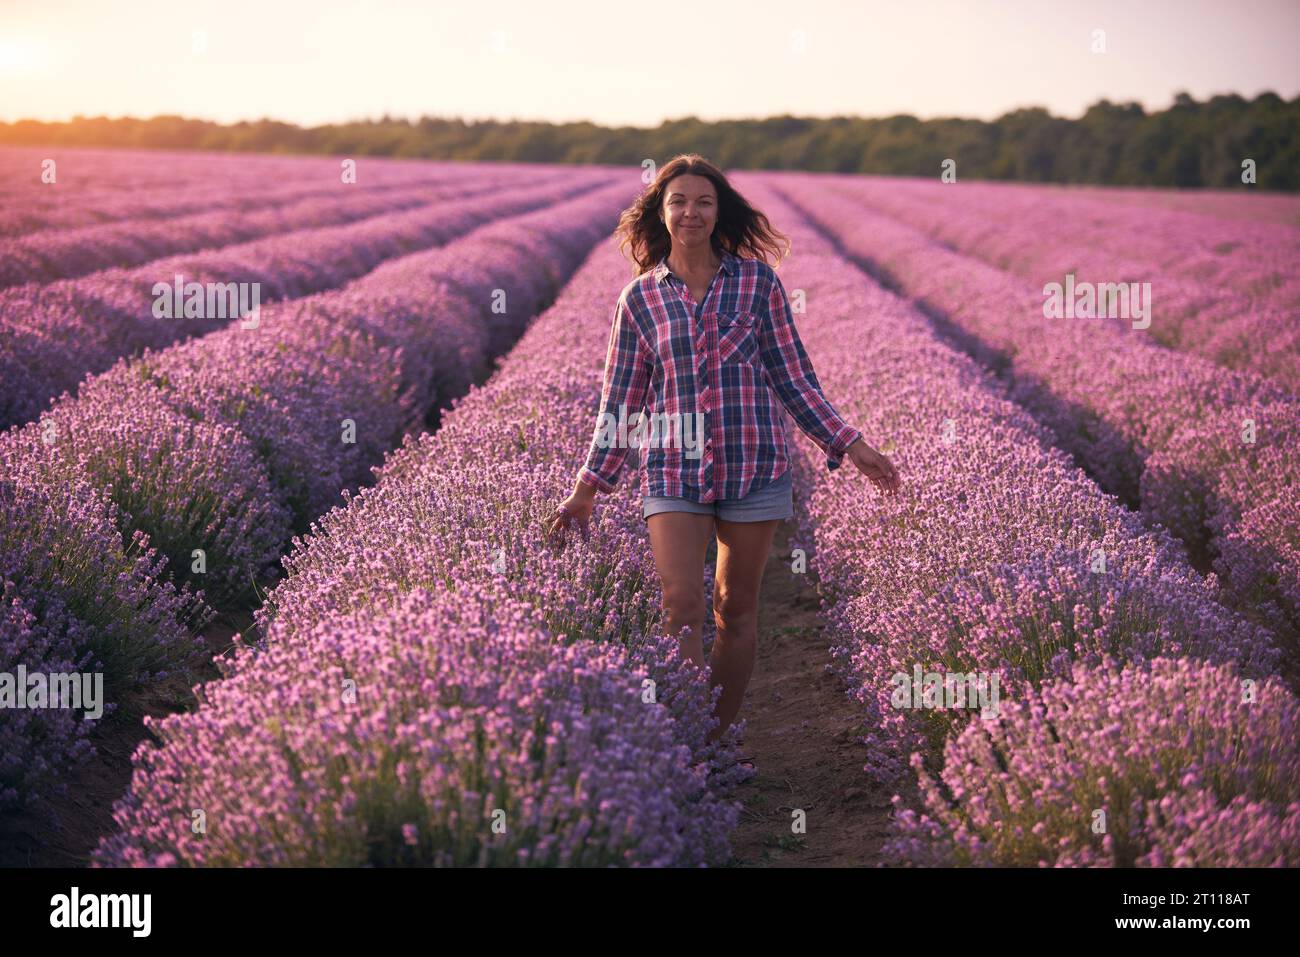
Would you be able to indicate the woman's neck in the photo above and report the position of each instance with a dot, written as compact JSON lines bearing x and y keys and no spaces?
{"x":693,"y":262}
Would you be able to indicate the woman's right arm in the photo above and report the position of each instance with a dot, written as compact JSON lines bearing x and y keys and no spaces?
{"x":628,"y":365}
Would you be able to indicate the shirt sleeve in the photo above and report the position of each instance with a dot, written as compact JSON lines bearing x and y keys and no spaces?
{"x":628,"y":365}
{"x":795,"y":381}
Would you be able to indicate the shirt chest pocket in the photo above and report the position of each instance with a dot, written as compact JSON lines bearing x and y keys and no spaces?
{"x":737,"y":336}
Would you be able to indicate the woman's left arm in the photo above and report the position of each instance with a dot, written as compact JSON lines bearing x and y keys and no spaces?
{"x":795,"y":381}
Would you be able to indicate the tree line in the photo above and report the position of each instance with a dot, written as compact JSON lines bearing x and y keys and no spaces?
{"x":1190,"y":144}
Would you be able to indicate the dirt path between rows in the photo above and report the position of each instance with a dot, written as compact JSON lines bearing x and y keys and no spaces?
{"x":802,"y":736}
{"x":85,"y":810}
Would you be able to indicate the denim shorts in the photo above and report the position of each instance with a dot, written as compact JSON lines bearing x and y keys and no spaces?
{"x":774,"y":500}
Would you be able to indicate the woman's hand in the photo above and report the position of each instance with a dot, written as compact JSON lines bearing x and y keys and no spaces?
{"x":576,"y":508}
{"x":874,"y":466}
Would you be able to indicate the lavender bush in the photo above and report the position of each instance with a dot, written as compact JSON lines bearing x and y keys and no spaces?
{"x":1187,"y":765}
{"x":461,"y":514}
{"x":475,"y":738}
{"x":64,"y":254}
{"x":222,"y":443}
{"x":75,"y":599}
{"x":992,"y":563}
{"x":1223,"y":289}
{"x":433,"y":683}
{"x":96,"y":186}
{"x":52,"y":335}
{"x":1161,"y":429}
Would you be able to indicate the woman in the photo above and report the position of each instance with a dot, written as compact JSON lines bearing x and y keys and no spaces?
{"x":708,"y":336}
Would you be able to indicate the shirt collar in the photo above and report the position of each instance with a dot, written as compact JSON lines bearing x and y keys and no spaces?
{"x":662,"y":271}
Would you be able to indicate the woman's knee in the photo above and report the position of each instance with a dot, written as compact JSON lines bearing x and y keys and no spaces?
{"x":734,"y":611}
{"x":684,"y":602}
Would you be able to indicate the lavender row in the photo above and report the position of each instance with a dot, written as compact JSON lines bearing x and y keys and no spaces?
{"x":1209,"y":453}
{"x":100,"y":186}
{"x":1179,"y":764}
{"x":227,"y":442}
{"x":1001,"y":559}
{"x":1226,"y":291}
{"x":87,"y":171}
{"x":57,"y":208}
{"x":585,"y":730}
{"x":52,"y":336}
{"x":1051,"y":230}
{"x":212,"y":452}
{"x":64,"y":254}
{"x":1261,"y":207}
{"x":76,"y":599}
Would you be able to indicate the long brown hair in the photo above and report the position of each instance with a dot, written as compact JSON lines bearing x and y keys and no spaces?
{"x":740,"y":230}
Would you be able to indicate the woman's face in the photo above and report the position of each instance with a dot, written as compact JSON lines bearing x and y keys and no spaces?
{"x":690,"y":210}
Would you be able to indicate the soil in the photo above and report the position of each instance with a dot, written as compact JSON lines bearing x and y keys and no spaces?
{"x":85,"y":811}
{"x":802,"y":735}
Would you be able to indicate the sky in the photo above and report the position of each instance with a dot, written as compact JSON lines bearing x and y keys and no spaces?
{"x":618,"y":63}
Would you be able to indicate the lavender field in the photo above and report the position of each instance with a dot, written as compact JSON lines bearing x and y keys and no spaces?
{"x":282,"y":436}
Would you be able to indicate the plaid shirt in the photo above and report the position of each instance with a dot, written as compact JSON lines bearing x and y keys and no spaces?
{"x":731,"y":358}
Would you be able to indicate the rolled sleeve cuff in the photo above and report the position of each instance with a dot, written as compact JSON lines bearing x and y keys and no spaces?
{"x":844,"y":437}
{"x":591,"y":478}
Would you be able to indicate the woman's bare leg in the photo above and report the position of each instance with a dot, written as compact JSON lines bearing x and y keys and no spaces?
{"x":679,"y":541}
{"x":743,"y":549}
